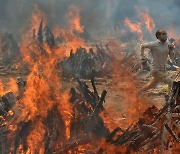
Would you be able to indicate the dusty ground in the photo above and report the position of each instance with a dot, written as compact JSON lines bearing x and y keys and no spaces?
{"x":115,"y":98}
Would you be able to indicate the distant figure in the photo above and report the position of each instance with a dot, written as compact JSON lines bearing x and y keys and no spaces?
{"x":160,"y":50}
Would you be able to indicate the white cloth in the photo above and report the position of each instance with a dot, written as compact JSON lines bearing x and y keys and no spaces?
{"x":159,"y":53}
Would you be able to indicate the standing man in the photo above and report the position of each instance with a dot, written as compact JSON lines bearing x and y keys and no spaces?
{"x":160,"y":50}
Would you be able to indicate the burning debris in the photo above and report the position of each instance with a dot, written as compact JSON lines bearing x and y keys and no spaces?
{"x":85,"y":125}
{"x":38,"y":116}
{"x":157,"y":130}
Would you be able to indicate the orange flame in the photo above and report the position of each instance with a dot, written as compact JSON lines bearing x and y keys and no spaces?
{"x":43,"y":84}
{"x":10,"y":86}
{"x":74,"y":19}
{"x":71,"y":34}
{"x":35,"y":139}
{"x":135,"y":28}
{"x":66,"y":111}
{"x":147,"y":20}
{"x":132,"y":106}
{"x":33,"y":24}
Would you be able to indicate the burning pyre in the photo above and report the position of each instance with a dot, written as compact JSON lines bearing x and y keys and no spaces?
{"x":38,"y":116}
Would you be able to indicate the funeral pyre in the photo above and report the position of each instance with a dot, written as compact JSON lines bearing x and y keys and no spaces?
{"x":38,"y":116}
{"x":74,"y":124}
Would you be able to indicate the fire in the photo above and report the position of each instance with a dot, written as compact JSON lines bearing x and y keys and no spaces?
{"x":132,"y":105}
{"x":134,"y":27}
{"x":1,"y":88}
{"x":71,"y":34}
{"x":74,"y":19}
{"x":66,"y":111}
{"x":10,"y":86}
{"x":43,"y":88}
{"x":44,"y":98}
{"x":35,"y":139}
{"x":18,"y":65}
{"x":33,"y":24}
{"x":148,"y":21}
{"x":145,"y":20}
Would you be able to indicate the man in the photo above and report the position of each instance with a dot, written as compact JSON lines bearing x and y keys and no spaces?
{"x":160,"y":51}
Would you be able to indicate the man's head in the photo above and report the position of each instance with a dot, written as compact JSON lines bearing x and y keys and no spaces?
{"x":161,"y":35}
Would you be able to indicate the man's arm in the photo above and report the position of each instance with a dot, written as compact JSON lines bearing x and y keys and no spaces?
{"x":148,"y":45}
{"x":171,"y":51}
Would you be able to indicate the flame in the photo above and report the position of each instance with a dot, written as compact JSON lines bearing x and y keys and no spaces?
{"x":35,"y":139}
{"x":71,"y":34}
{"x":43,"y":88}
{"x":74,"y":19}
{"x":1,"y":88}
{"x":18,"y":65}
{"x":148,"y":21}
{"x":10,"y":86}
{"x":66,"y":111}
{"x":144,"y":20}
{"x":132,"y":106}
{"x":134,"y":27}
{"x":33,"y":25}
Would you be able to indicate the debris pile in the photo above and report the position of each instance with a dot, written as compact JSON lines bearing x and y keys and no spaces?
{"x":157,"y":130}
{"x":87,"y":64}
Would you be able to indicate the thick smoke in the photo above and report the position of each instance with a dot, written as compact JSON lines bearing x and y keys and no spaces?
{"x":99,"y":17}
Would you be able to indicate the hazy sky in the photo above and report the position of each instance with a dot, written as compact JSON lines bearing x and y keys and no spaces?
{"x":96,"y":15}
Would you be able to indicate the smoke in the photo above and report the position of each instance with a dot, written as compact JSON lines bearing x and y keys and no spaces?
{"x":99,"y":17}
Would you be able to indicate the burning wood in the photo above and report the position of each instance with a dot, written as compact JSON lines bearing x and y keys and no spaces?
{"x":43,"y":119}
{"x":87,"y":126}
{"x":150,"y":133}
{"x":85,"y":123}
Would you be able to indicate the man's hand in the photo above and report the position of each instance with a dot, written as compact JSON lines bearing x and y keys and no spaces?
{"x":143,"y":62}
{"x":171,"y":47}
